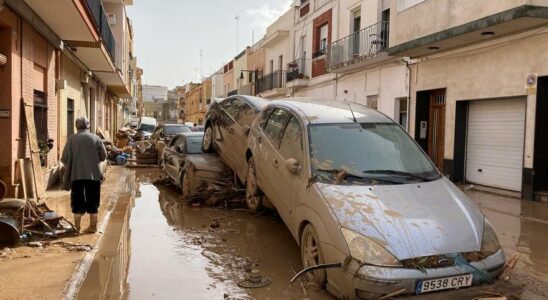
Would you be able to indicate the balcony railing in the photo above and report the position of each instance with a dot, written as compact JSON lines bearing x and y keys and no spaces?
{"x":274,"y":80}
{"x":360,"y":45}
{"x":297,"y":69}
{"x":101,"y":22}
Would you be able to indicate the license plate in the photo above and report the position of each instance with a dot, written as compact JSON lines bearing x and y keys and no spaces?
{"x":431,"y":285}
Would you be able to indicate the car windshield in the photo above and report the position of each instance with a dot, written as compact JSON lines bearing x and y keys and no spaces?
{"x":173,"y":130}
{"x":367,"y":153}
{"x":194,"y":144}
{"x":147,"y":127}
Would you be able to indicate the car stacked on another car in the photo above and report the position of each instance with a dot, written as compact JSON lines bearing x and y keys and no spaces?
{"x":227,"y":127}
{"x":359,"y":194}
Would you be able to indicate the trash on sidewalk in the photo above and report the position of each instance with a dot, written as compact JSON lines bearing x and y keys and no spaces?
{"x":509,"y":266}
{"x":9,"y":232}
{"x":146,"y":153}
{"x":254,"y":279}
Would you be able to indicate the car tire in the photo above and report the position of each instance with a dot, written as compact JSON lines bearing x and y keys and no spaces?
{"x":185,"y":185}
{"x":311,"y":255}
{"x":209,"y":137}
{"x":253,"y":195}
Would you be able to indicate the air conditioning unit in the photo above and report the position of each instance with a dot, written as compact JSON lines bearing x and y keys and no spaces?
{"x":111,"y":18}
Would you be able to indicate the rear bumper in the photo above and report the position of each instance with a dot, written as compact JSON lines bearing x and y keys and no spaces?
{"x":373,"y":282}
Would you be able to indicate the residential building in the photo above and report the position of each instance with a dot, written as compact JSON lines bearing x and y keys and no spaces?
{"x":170,"y":107}
{"x":154,"y":92}
{"x":241,"y":78}
{"x":479,"y":88}
{"x":193,"y":99}
{"x":217,"y":88}
{"x":228,"y":79}
{"x":278,"y":45}
{"x":139,"y":91}
{"x":358,"y":55}
{"x":59,"y":68}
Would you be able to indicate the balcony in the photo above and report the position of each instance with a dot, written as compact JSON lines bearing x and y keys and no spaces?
{"x":101,"y":22}
{"x":298,"y":74}
{"x":363,"y":47}
{"x":272,"y":85}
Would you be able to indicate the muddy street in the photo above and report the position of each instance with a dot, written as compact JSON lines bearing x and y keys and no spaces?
{"x":178,"y":251}
{"x":184,"y":252}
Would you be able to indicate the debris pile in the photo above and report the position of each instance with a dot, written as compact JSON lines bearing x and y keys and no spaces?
{"x":125,"y":137}
{"x":221,"y":190}
{"x":146,"y":153}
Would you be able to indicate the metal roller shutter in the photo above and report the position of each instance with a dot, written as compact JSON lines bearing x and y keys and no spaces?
{"x":495,"y":138}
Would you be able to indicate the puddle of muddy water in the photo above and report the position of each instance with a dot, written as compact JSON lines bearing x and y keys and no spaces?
{"x":176,"y":252}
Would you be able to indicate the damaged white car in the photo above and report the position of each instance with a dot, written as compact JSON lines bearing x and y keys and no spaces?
{"x":368,"y":208}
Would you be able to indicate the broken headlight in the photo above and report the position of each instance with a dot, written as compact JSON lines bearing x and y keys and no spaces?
{"x":368,"y":251}
{"x":490,"y":243}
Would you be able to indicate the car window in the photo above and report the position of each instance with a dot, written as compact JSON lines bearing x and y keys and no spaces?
{"x":194,"y":144}
{"x":246,"y":116}
{"x":239,"y":110}
{"x":171,"y":130}
{"x":291,"y":145}
{"x":264,"y":117}
{"x":275,"y":125}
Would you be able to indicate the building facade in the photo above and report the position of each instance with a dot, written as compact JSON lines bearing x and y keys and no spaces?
{"x":59,"y":69}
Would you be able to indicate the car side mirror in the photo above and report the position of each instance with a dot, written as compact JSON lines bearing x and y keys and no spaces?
{"x":292,"y":165}
{"x":247,"y":129}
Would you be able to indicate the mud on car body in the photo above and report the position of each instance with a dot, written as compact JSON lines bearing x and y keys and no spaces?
{"x":355,"y":189}
{"x":187,"y":166}
{"x":227,"y":127}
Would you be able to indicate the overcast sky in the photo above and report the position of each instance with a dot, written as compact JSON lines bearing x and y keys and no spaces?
{"x":170,"y":33}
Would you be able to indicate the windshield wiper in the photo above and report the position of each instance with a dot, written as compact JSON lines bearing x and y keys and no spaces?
{"x":346,"y":175}
{"x":398,"y":173}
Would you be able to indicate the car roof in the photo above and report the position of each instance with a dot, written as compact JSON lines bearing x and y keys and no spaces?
{"x":257,"y":102}
{"x":322,"y":111}
{"x":174,"y":125}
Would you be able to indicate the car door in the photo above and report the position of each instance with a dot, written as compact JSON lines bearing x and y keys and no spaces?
{"x":171,"y":158}
{"x":289,"y":178}
{"x":267,"y":161}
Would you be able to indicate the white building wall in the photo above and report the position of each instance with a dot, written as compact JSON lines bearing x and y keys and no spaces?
{"x":151,"y":92}
{"x":217,"y":85}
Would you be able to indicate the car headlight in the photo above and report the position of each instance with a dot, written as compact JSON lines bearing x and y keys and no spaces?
{"x":490,"y":242}
{"x":368,"y":251}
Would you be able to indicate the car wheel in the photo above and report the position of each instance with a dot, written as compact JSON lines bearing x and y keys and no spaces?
{"x":207,"y":143}
{"x":185,"y":185}
{"x":311,"y":255}
{"x":253,"y":197}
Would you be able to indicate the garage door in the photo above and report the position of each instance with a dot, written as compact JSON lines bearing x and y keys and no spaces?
{"x":495,"y":136}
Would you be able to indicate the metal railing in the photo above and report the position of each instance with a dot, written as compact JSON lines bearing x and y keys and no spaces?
{"x":101,"y":22}
{"x":367,"y":42}
{"x":297,"y":69}
{"x":271,"y":81}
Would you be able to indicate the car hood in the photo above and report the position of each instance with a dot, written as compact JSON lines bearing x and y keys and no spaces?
{"x":410,"y":220}
{"x":206,"y":162}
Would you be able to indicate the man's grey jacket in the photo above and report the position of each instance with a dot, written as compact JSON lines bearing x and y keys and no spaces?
{"x":83,"y":153}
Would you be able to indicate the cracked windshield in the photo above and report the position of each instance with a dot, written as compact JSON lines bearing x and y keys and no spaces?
{"x":273,"y":149}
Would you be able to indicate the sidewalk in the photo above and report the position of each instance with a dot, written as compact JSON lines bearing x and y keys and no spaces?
{"x":53,"y":272}
{"x":522,"y":226}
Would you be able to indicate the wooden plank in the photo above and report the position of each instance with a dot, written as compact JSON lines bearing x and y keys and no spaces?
{"x":24,"y":176}
{"x":39,"y":191}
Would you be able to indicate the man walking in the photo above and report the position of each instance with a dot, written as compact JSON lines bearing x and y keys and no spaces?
{"x":82,"y":155}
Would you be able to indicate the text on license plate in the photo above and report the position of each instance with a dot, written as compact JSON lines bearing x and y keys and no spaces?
{"x":444,"y":283}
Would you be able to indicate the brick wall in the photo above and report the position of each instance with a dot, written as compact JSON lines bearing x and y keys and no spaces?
{"x":319,"y":64}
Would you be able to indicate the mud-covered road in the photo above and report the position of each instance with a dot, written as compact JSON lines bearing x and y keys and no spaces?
{"x":178,"y":251}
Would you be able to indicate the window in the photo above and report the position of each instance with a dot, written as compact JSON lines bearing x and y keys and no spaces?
{"x":70,"y":117}
{"x":264,"y":117}
{"x":356,"y":21}
{"x":373,"y":102}
{"x":291,"y":145}
{"x":41,"y":124}
{"x":401,"y":106}
{"x":194,"y":144}
{"x":275,"y":125}
{"x":323,"y":38}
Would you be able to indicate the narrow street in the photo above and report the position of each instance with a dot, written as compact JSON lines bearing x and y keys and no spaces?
{"x":203,"y":252}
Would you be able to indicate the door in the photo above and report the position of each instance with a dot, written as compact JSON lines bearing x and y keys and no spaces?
{"x":172,"y":158}
{"x":495,"y":138}
{"x":436,"y":128}
{"x":267,"y":160}
{"x":291,"y":186}
{"x":355,"y":29}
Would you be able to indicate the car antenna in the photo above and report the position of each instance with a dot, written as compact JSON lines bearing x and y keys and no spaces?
{"x":353,"y":116}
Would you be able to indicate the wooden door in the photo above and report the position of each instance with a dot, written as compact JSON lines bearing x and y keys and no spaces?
{"x":436,"y":131}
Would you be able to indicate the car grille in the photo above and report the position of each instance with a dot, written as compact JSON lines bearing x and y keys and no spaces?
{"x":428,"y":262}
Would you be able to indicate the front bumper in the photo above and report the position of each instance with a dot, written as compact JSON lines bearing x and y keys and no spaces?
{"x":371,"y":282}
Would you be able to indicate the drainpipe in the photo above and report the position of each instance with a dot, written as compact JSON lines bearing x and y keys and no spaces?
{"x":407,"y":62}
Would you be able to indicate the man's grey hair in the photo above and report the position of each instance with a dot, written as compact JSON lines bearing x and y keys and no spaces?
{"x":82,"y":123}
